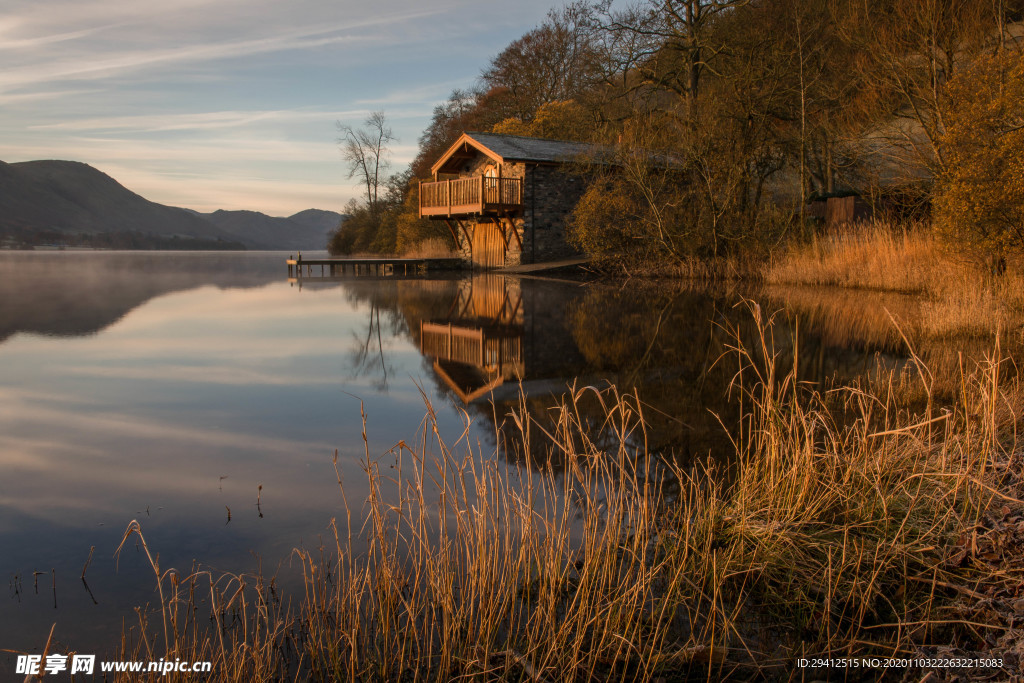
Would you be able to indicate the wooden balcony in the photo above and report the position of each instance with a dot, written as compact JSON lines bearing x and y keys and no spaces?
{"x":475,"y":196}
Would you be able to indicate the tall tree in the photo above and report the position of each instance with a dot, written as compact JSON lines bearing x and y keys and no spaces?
{"x":907,"y":52}
{"x":980,"y":199}
{"x":554,"y":62}
{"x":681,"y":41}
{"x":460,"y":112}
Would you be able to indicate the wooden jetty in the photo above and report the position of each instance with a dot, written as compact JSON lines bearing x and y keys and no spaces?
{"x":563,"y":264}
{"x":375,"y":267}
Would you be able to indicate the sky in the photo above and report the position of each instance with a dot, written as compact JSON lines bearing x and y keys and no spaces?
{"x":234,"y":104}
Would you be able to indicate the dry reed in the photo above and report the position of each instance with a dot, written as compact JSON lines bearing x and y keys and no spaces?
{"x":829,"y":537}
{"x":430,"y":248}
{"x":961,"y":298}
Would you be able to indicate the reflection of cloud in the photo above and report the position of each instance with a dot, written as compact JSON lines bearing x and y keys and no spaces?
{"x":17,"y":415}
{"x":204,"y":375}
{"x":187,"y":388}
{"x":242,"y":336}
{"x":102,"y":459}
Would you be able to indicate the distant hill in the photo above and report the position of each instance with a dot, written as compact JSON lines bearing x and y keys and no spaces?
{"x":68,"y":202}
{"x":324,"y":221}
{"x":260,"y":231}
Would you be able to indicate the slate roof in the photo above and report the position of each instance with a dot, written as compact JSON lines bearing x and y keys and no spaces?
{"x":519,"y":148}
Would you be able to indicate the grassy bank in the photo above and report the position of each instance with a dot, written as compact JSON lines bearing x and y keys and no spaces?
{"x":850,"y":525}
{"x":962,"y":298}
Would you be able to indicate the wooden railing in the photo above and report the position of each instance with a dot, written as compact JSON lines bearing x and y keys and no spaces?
{"x":475,"y":195}
{"x":453,"y":343}
{"x":504,"y":191}
{"x":469,"y":345}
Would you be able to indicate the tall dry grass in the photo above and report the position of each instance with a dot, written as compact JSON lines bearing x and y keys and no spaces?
{"x":430,"y":248}
{"x":828,"y":537}
{"x":869,"y":256}
{"x":961,"y":297}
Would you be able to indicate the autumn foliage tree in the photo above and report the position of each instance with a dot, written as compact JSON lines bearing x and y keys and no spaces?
{"x":563,"y":120}
{"x":555,"y":62}
{"x":727,"y":116}
{"x":980,"y":198}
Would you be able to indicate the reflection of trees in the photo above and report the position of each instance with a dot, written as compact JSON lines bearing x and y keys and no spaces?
{"x":856,"y":332}
{"x":670,"y":345}
{"x":404,"y":303}
{"x":665,"y":345}
{"x":363,"y":357}
{"x":657,"y":343}
{"x":394,"y":309}
{"x":367,"y":356}
{"x":660,"y":343}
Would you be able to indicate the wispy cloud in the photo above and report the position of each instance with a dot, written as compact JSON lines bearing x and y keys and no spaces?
{"x":432,"y":92}
{"x":122,"y":62}
{"x":232,"y":103}
{"x":21,"y":44}
{"x":162,"y":122}
{"x":20,"y":99}
{"x":113,"y":61}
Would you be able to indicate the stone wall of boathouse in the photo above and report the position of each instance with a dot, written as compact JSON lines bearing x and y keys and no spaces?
{"x":550,"y":193}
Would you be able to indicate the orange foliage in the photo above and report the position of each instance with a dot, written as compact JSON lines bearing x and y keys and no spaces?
{"x":980,"y":201}
{"x":564,"y":120}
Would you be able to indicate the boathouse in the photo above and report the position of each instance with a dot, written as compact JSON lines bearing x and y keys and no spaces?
{"x":506,"y":198}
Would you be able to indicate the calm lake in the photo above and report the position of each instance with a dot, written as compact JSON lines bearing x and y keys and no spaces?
{"x":204,"y":395}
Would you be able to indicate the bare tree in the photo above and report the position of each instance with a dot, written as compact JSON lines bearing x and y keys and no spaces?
{"x":366,"y":152}
{"x":680,"y":39}
{"x":552,"y":63}
{"x":911,"y":49}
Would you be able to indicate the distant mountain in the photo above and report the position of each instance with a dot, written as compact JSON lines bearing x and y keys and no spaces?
{"x":72,"y":203}
{"x":260,"y":231}
{"x":68,"y":201}
{"x":324,"y":221}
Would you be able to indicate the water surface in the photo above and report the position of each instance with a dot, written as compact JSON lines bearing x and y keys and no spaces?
{"x":204,"y":395}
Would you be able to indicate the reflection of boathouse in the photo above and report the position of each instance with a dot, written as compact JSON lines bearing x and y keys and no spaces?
{"x":480,"y":345}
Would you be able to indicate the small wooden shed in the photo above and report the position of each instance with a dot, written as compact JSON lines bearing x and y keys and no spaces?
{"x":839,"y":211}
{"x":506,"y":198}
